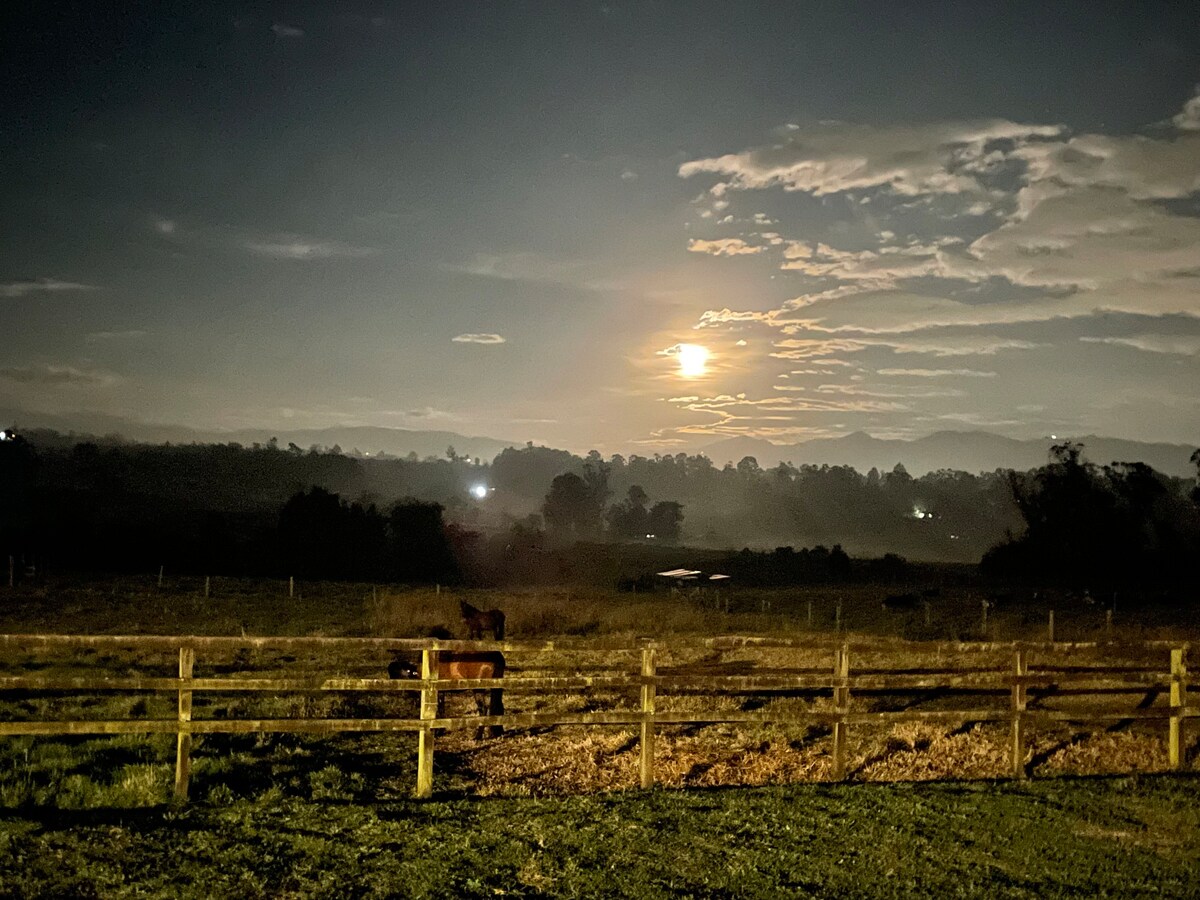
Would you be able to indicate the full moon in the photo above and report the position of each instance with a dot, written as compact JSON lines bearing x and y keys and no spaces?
{"x":692,"y":360}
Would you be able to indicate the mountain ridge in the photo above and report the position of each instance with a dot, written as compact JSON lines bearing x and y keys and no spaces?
{"x":969,"y":451}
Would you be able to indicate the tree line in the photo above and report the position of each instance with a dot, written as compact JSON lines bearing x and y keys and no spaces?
{"x":110,"y":506}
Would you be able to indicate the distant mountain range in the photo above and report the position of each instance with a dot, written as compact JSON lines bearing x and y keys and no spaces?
{"x":969,"y":451}
{"x":366,"y":439}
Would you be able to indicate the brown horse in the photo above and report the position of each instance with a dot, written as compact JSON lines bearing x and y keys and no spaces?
{"x":478,"y":621}
{"x":462,"y":664}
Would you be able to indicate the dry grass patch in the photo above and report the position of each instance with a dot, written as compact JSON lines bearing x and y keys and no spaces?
{"x":1107,"y":753}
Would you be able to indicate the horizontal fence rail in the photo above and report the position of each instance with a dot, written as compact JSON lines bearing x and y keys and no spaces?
{"x":1013,"y":680}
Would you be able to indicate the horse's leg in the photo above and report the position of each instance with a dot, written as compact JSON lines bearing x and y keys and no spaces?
{"x":481,"y":708}
{"x":496,"y":708}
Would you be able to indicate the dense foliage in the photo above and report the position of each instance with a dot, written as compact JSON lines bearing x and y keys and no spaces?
{"x":265,"y":510}
{"x":1120,"y":524}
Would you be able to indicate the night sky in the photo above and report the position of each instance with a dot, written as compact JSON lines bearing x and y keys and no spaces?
{"x":520,"y":219}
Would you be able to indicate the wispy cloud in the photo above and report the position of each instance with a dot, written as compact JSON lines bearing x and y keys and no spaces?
{"x":937,"y":373}
{"x":724,"y":247}
{"x":56,"y":376}
{"x":832,"y":157}
{"x":287,"y":31}
{"x":1188,"y":118}
{"x":98,"y":336}
{"x":534,"y":267}
{"x":302,"y":249}
{"x":478,"y":339}
{"x":42,"y":285}
{"x":1181,"y":344}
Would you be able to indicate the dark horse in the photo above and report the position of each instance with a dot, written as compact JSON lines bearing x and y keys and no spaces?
{"x":478,"y":621}
{"x":460,"y":664}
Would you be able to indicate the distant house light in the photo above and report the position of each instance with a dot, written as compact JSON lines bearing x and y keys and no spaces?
{"x":3,"y":435}
{"x":650,"y":536}
{"x":479,"y":491}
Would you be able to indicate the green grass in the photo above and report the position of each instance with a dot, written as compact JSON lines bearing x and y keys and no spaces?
{"x":1106,"y":837}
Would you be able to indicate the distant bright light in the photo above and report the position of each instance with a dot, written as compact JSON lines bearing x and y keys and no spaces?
{"x":3,"y":435}
{"x":919,"y":513}
{"x":692,"y":360}
{"x":479,"y":491}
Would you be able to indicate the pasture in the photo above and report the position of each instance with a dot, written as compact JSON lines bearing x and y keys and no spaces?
{"x":546,"y":812}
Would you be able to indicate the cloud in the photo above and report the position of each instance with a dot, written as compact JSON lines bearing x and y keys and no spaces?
{"x":478,"y":339}
{"x":302,"y":249}
{"x":1188,"y":118}
{"x":166,"y":227}
{"x":897,"y":392}
{"x":952,"y":344}
{"x":1180,"y":344}
{"x":723,"y":247}
{"x":42,"y":285}
{"x":287,"y":31}
{"x":56,"y":376}
{"x":1146,"y":167}
{"x":936,"y":373}
{"x":536,"y":268}
{"x":833,"y":157}
{"x":1088,"y":238}
{"x":629,"y":175}
{"x":883,"y":267}
{"x":956,"y":242}
{"x":1081,"y":225}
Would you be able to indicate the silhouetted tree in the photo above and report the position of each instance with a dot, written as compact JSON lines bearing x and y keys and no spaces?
{"x":421,"y":548}
{"x":1115,"y":524}
{"x":628,"y":520}
{"x":18,"y":466}
{"x":574,"y":508}
{"x":665,"y":521}
{"x":323,"y":536}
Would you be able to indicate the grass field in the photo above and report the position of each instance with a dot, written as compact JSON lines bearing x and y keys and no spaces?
{"x":549,"y":813}
{"x":1064,"y":838}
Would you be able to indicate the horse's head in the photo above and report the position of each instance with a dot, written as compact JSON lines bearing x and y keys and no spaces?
{"x":403,"y":668}
{"x":468,"y":611}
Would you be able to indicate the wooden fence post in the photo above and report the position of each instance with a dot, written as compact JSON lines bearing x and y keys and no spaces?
{"x":291,"y":586}
{"x":810,"y":615}
{"x":646,"y":767}
{"x":429,"y":705}
{"x":837,"y":616}
{"x":1050,"y":627}
{"x":983,"y":611}
{"x":160,"y":575}
{"x":1178,"y":702}
{"x":206,"y":586}
{"x":183,"y":736}
{"x":841,"y":699}
{"x":1020,"y":668}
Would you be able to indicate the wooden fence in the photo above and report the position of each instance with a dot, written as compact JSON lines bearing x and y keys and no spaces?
{"x":837,"y":681}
